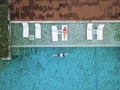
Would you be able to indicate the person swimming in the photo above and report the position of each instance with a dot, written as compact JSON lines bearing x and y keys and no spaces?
{"x":60,"y":54}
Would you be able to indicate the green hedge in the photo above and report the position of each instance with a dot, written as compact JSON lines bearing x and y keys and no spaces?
{"x":4,"y":33}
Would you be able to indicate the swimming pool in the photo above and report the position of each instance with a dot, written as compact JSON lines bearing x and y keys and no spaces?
{"x":87,"y":68}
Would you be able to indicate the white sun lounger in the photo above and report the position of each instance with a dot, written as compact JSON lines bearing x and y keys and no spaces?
{"x":100,"y":32}
{"x":89,"y":31}
{"x":54,"y":33}
{"x":25,"y":29}
{"x":37,"y":31}
{"x":64,"y":38}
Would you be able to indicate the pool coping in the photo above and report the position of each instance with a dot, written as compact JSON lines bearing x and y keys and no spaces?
{"x":17,"y":46}
{"x":75,"y":21}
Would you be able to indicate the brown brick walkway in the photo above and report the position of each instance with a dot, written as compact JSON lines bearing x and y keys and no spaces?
{"x":39,"y":10}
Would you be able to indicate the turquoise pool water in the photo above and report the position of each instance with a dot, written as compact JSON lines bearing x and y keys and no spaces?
{"x":83,"y":69}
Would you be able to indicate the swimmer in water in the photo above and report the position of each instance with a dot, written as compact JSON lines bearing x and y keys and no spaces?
{"x":60,"y":54}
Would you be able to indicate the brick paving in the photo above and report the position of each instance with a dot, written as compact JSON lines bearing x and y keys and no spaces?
{"x":40,"y":10}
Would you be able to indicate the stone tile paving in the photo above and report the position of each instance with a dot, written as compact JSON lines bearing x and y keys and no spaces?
{"x":76,"y":35}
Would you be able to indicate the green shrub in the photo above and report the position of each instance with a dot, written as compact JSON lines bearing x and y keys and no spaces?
{"x":4,"y":32}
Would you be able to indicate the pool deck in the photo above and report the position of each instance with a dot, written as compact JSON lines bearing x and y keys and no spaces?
{"x":77,"y":34}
